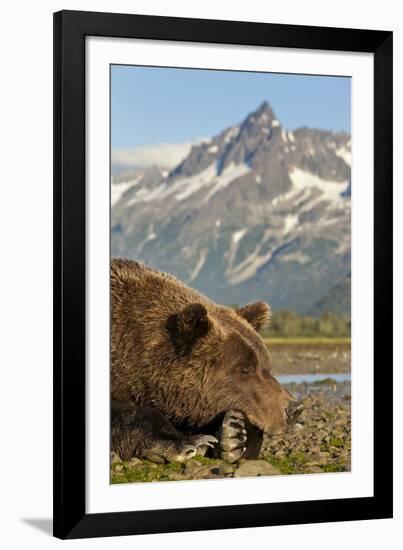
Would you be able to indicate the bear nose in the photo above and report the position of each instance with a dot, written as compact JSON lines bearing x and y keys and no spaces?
{"x":294,"y":409}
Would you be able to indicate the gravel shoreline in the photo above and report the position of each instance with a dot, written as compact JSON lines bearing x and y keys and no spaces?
{"x":320,"y":443}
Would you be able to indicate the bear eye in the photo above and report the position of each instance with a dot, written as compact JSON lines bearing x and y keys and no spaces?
{"x":245,"y":369}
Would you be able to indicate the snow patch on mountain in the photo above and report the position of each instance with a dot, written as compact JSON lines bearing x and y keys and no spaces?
{"x":150,"y":237}
{"x":208,"y":178}
{"x":291,"y":221}
{"x":231,"y":173}
{"x":145,"y":195}
{"x":231,"y":134}
{"x":330,"y":190}
{"x":199,"y":265}
{"x":295,"y":257}
{"x":230,"y":255}
{"x":248,"y":267}
{"x":345,"y":154}
{"x":238,"y":235}
{"x":118,"y":189}
{"x":192,"y":185}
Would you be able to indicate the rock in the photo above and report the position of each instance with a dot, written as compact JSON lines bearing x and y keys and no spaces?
{"x":195,"y":470}
{"x":313,"y":470}
{"x":334,"y":450}
{"x":322,"y":435}
{"x":323,"y":460}
{"x":139,"y":466}
{"x":340,"y":422}
{"x":117,"y":467}
{"x":279,"y":453}
{"x":177,"y":476}
{"x":253,"y":468}
{"x":115,"y":458}
{"x":134,"y":462}
{"x":193,"y":462}
{"x":225,"y":469}
{"x":207,"y":472}
{"x":156,"y":459}
{"x":311,"y":463}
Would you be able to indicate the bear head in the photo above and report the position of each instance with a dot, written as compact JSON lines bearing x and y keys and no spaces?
{"x":220,"y":362}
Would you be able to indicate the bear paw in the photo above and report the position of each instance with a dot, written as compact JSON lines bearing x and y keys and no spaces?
{"x":232,"y":436}
{"x":185,"y":450}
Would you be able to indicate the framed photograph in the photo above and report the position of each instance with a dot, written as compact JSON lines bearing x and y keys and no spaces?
{"x":223,"y":274}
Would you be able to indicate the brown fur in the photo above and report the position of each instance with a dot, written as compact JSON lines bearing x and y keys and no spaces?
{"x":175,"y":351}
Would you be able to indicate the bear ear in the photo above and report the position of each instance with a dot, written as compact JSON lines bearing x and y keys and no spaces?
{"x":186,"y":327}
{"x":257,"y":314}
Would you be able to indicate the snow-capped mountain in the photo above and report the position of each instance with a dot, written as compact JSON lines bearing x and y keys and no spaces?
{"x":256,"y":212}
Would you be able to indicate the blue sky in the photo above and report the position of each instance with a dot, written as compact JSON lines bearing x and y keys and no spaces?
{"x":163,"y":105}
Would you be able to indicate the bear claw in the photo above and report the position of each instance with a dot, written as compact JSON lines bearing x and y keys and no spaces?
{"x":233,"y":436}
{"x":204,"y":440}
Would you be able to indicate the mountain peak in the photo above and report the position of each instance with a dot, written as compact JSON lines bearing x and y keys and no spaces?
{"x":264,"y":107}
{"x":249,"y":214}
{"x":263,"y":116}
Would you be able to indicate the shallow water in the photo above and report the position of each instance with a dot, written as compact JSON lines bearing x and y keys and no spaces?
{"x":312,"y":378}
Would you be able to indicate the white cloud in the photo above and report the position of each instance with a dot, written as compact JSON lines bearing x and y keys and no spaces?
{"x":166,"y":155}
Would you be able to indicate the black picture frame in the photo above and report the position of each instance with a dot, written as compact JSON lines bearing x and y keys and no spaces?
{"x":70,"y":517}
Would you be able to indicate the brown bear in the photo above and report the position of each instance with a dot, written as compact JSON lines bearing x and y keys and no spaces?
{"x":183,"y":367}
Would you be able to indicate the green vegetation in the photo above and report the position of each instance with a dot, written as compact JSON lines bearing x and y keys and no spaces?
{"x":325,"y":382}
{"x":287,"y":324}
{"x":334,"y":467}
{"x":147,"y":471}
{"x":336,"y":442}
{"x":290,"y":464}
{"x":143,"y":471}
{"x":297,"y":461}
{"x":207,"y":461}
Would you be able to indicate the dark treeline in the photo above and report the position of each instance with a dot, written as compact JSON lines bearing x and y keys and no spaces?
{"x":289,"y":324}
